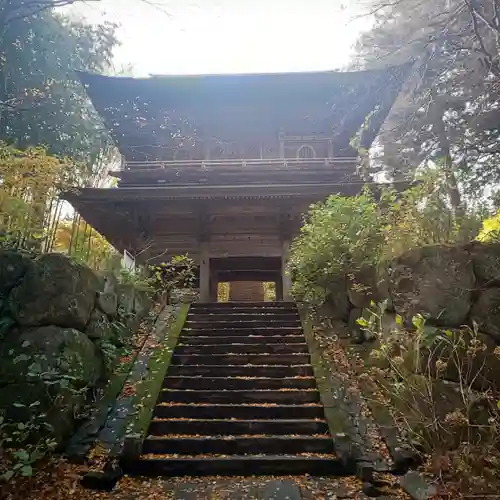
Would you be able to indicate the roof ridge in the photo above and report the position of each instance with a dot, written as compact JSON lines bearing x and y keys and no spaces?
{"x":292,"y":74}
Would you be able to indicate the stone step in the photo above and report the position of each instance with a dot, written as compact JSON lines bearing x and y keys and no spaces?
{"x":240,"y":397}
{"x":269,"y":339}
{"x":236,"y":445}
{"x":226,"y":348}
{"x":298,"y":370}
{"x":240,"y":359}
{"x":214,"y":312}
{"x":232,"y":427}
{"x":225,"y":383}
{"x":245,"y":412}
{"x":236,"y":324}
{"x":238,"y":465}
{"x":242,"y":332}
{"x":244,"y":316}
{"x":244,"y":305}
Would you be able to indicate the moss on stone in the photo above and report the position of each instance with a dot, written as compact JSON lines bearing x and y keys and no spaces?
{"x":335,"y":415}
{"x":149,"y":389}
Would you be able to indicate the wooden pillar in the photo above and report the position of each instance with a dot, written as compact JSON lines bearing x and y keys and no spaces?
{"x":204,"y":273}
{"x":278,"y":284}
{"x":214,"y":286}
{"x":285,"y":279}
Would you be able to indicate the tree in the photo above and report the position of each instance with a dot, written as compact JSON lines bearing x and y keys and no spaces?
{"x":449,"y":113}
{"x":31,"y":180}
{"x":42,"y":102}
{"x":81,"y":241}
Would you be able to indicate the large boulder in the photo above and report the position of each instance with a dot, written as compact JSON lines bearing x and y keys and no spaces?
{"x":49,"y":353}
{"x":486,"y":312}
{"x":436,"y":281}
{"x":22,"y":402}
{"x":486,"y":261}
{"x":366,"y":285}
{"x":126,"y":297}
{"x":99,"y":327}
{"x":107,"y":302}
{"x":55,"y":290}
{"x":337,"y":305}
{"x":13,"y":266}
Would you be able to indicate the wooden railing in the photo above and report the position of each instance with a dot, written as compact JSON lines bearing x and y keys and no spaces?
{"x":254,"y":163}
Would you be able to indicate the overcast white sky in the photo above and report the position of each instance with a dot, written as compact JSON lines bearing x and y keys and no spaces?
{"x":230,"y":36}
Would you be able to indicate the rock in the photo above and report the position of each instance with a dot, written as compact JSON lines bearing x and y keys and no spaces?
{"x":486,"y":262}
{"x":50,"y":368}
{"x":13,"y":266}
{"x":354,"y":328}
{"x":417,"y":487}
{"x":49,"y":352}
{"x":58,"y":404}
{"x":132,"y":446}
{"x":486,"y":312}
{"x":107,"y":302}
{"x":365,"y":472}
{"x":126,"y":297}
{"x":436,"y":281}
{"x":371,"y":490}
{"x":104,"y":480}
{"x":110,"y":282}
{"x":99,"y":327}
{"x":337,"y":303}
{"x":142,"y":303}
{"x":367,"y":285}
{"x":55,"y":291}
{"x":405,"y":459}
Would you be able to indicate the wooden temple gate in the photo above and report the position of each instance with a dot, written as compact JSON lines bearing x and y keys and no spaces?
{"x":222,"y":168}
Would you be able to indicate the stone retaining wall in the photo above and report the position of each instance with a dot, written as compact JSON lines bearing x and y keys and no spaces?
{"x":59,"y":325}
{"x":451,"y":286}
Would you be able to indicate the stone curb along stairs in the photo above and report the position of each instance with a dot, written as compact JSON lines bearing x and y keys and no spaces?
{"x":239,"y":398}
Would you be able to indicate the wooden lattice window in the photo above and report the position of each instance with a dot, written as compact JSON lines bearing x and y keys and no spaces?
{"x":306,"y":152}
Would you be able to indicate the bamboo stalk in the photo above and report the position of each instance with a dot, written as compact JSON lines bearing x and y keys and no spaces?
{"x":73,"y":230}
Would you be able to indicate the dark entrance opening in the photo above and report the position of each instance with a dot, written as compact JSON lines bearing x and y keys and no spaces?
{"x":247,"y":277}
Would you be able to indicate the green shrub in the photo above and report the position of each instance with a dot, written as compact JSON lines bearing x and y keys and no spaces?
{"x":342,"y":234}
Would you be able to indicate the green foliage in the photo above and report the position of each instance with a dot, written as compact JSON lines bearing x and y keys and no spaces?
{"x":78,"y":239}
{"x":342,"y":234}
{"x":31,"y":180}
{"x":41,"y":99}
{"x":22,"y":452}
{"x":135,"y":278}
{"x":109,"y":352}
{"x":45,"y":118}
{"x":441,"y":389}
{"x":339,"y":233}
{"x":178,"y":272}
{"x":26,"y":441}
{"x":490,"y":232}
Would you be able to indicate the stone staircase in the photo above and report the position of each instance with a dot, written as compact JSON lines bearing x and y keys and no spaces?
{"x":239,"y":398}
